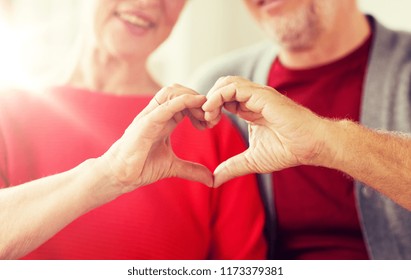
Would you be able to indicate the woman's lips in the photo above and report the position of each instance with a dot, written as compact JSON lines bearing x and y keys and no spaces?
{"x":265,"y":2}
{"x":136,"y":19}
{"x":268,"y":4}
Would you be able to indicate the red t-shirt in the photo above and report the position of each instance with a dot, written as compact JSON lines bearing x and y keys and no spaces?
{"x":171,"y":219}
{"x":315,"y":206}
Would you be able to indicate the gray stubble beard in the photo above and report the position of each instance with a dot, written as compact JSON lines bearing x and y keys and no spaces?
{"x":299,"y":31}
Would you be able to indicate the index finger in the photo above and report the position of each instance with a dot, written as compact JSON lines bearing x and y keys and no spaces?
{"x":170,"y":108}
{"x":165,"y":94}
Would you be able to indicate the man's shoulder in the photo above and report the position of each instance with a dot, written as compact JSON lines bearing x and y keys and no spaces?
{"x":237,"y":60}
{"x":386,"y":94}
{"x":402,"y":45}
{"x":390,"y":58}
{"x":240,"y":62}
{"x":398,"y":36}
{"x":396,"y":43}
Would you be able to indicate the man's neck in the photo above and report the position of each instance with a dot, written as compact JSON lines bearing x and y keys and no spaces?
{"x":345,"y":36}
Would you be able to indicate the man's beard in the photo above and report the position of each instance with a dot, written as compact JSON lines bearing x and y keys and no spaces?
{"x":299,"y":31}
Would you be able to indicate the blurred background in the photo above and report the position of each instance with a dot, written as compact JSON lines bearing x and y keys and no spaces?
{"x":36,"y":36}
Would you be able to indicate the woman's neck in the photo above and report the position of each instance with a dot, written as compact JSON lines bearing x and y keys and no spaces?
{"x":107,"y":74}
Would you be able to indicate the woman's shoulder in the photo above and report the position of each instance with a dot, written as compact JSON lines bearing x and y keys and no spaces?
{"x":25,"y":104}
{"x":26,"y":95}
{"x":15,"y":98}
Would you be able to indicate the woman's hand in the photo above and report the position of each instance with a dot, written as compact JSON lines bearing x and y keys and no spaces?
{"x":281,"y":133}
{"x":141,"y":156}
{"x":144,"y":155}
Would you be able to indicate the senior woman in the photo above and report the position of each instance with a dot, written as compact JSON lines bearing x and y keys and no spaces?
{"x":138,"y":158}
{"x":174,"y":218}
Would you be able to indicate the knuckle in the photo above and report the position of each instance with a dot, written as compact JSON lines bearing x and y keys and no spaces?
{"x":170,"y":92}
{"x":161,"y":94}
{"x":168,"y":89}
{"x":224,"y":80}
{"x":229,"y":79}
{"x":221,"y":79}
{"x":176,"y":85}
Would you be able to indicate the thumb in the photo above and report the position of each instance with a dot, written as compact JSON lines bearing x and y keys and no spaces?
{"x":231,"y":168}
{"x":193,"y":171}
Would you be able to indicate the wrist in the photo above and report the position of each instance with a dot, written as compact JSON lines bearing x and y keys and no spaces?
{"x":334,"y":142}
{"x":98,"y":183}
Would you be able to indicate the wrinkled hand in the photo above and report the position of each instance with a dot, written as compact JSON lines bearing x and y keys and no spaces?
{"x":282,"y":134}
{"x":144,"y":155}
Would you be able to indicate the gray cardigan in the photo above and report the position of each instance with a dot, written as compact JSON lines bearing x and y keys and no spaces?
{"x":386,"y":105}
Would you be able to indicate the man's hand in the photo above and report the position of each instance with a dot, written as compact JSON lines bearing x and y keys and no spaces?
{"x":281,"y":133}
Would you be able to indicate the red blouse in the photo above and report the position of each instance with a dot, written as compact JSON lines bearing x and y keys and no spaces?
{"x":44,"y":134}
